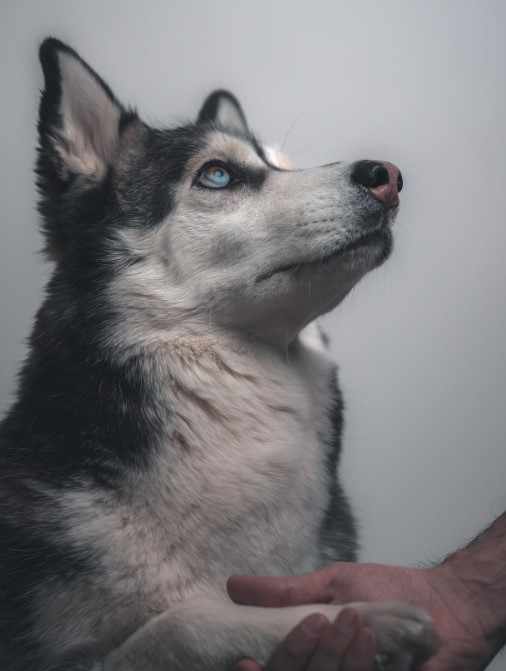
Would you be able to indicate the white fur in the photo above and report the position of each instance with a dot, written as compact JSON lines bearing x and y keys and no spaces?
{"x":241,"y":476}
{"x":235,"y":631}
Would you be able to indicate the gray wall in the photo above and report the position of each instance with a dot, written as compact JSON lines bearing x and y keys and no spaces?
{"x":421,"y":342}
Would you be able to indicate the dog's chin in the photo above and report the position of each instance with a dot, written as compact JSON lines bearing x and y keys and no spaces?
{"x":365,"y":251}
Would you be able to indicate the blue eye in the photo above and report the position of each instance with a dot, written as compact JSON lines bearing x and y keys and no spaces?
{"x":214,"y":177}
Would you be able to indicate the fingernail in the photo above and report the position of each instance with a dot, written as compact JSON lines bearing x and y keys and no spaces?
{"x":346,"y":619}
{"x":315,"y":624}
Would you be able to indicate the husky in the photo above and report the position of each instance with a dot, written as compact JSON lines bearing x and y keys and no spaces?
{"x":178,"y":419}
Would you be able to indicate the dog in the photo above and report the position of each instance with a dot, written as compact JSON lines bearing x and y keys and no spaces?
{"x":178,"y":418}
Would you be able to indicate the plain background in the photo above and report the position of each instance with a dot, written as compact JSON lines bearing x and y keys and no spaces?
{"x":421,"y":342}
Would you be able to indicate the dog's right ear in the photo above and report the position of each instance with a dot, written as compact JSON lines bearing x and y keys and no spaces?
{"x":79,"y":126}
{"x":221,"y":108}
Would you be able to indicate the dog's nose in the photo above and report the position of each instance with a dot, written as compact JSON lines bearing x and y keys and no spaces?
{"x":383,"y":179}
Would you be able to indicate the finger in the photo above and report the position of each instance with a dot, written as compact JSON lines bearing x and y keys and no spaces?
{"x":293,"y":653}
{"x":335,"y":641}
{"x":360,"y":655}
{"x":247,"y":665}
{"x":280,"y":592}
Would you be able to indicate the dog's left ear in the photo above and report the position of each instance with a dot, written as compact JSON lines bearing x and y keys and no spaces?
{"x":79,"y":117}
{"x":80,"y":127}
{"x":223,"y":109}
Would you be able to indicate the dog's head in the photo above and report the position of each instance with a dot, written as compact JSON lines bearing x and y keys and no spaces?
{"x":199,"y":225}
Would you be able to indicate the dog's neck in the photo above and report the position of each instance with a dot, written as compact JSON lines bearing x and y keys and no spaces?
{"x":222,"y":375}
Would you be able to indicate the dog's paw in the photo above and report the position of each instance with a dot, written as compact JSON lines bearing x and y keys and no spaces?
{"x":406,"y":637}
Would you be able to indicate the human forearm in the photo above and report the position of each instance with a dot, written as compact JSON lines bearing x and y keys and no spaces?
{"x":478,"y":571}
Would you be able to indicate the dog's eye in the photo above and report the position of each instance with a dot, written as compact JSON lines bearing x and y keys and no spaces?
{"x":214,"y":177}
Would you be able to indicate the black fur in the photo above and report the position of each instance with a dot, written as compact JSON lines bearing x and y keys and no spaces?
{"x":339,"y":529}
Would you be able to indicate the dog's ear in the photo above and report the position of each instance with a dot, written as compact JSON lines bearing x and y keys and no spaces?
{"x":79,"y":126}
{"x":223,"y":109}
{"x":79,"y":117}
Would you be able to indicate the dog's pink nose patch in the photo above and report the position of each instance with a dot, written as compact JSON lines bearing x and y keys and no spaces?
{"x":383,"y":180}
{"x":388,"y":193}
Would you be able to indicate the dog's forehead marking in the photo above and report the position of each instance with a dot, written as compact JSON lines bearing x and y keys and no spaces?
{"x":221,"y":146}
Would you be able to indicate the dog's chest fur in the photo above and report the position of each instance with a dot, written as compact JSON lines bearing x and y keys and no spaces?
{"x":239,"y":482}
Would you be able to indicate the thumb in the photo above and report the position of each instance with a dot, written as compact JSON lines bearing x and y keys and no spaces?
{"x":283,"y":591}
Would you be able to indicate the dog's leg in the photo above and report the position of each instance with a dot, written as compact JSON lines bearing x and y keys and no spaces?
{"x":203,"y":634}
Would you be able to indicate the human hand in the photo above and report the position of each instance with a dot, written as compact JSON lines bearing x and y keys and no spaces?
{"x":315,"y":644}
{"x":448,"y":601}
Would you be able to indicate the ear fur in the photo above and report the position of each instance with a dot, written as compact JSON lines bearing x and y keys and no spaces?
{"x":79,"y":116}
{"x":223,"y":109}
{"x":79,"y":126}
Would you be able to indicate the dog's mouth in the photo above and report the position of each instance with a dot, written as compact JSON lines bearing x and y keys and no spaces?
{"x":380,"y":235}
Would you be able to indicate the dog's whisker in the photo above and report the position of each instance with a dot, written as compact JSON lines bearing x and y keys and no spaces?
{"x":291,"y":127}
